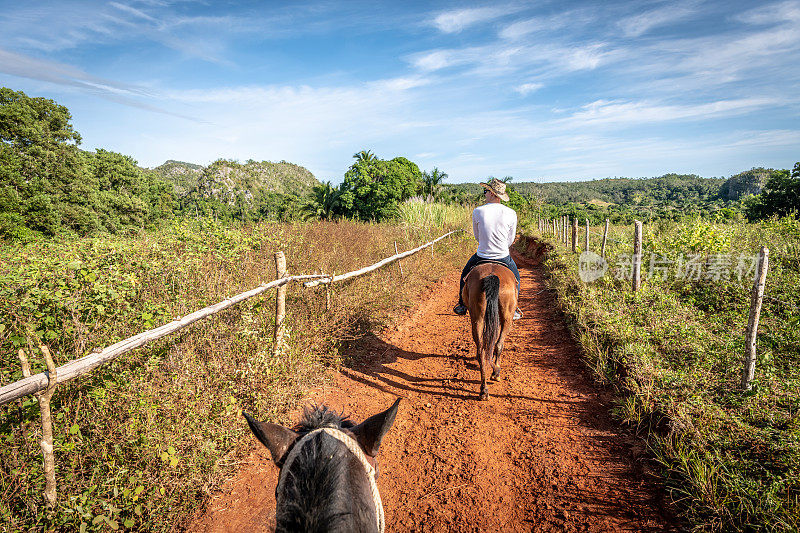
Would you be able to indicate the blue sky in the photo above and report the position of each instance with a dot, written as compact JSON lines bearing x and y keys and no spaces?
{"x":539,"y":91}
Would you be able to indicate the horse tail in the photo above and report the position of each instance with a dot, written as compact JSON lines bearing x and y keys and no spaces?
{"x":491,"y":318}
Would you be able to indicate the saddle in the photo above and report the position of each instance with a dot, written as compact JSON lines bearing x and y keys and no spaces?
{"x":484,"y":261}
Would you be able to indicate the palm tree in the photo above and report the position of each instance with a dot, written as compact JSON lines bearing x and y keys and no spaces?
{"x":366,"y":156}
{"x":323,"y":203}
{"x":432,"y":182}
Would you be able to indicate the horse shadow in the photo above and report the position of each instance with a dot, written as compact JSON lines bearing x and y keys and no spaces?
{"x":368,"y":359}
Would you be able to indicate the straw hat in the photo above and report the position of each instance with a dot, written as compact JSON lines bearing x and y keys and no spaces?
{"x":497,"y":187}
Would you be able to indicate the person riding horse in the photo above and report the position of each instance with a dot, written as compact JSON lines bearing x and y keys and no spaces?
{"x":495,"y":227}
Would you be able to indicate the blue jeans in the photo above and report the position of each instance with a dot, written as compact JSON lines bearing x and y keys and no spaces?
{"x":475,"y":259}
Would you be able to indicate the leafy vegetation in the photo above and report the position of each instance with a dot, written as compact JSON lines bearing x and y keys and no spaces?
{"x":674,"y":352}
{"x":780,"y":197}
{"x":141,"y":442}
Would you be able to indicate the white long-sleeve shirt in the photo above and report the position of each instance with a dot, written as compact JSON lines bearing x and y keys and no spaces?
{"x":494,"y":226}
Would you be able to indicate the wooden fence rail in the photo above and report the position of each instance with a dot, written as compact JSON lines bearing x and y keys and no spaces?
{"x":379,"y":264}
{"x":47,"y":381}
{"x":73,"y":369}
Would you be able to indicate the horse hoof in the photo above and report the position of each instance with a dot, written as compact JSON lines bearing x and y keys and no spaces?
{"x":495,"y":377}
{"x":484,"y":396}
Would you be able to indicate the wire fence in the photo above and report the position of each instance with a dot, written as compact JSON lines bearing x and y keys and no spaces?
{"x":561,"y":228}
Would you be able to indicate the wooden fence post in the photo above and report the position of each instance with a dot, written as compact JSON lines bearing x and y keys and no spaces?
{"x":566,"y":230}
{"x":399,"y":263}
{"x":586,"y":244}
{"x":47,"y":422}
{"x":328,"y":293}
{"x":637,"y":255}
{"x":574,"y":235}
{"x":280,"y":302}
{"x":757,"y":297}
{"x":605,"y":237}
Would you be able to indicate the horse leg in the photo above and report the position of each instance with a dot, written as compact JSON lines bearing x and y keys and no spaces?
{"x":498,"y":355}
{"x":483,"y":363}
{"x":483,"y":359}
{"x":506,"y":322}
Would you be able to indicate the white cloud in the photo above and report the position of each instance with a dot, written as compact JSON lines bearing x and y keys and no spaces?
{"x":59,"y":74}
{"x":457,"y":20}
{"x":132,"y":11}
{"x":523,"y":28}
{"x":435,"y":60}
{"x":587,"y":57}
{"x":618,"y":113}
{"x":637,"y":25}
{"x":399,"y":84}
{"x":526,"y":88}
{"x":575,"y":20}
{"x":772,"y":13}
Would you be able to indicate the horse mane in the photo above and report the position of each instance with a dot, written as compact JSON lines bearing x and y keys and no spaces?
{"x":315,"y":499}
{"x":320,"y":416}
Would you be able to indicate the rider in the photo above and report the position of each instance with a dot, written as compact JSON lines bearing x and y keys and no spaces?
{"x":495,"y":227}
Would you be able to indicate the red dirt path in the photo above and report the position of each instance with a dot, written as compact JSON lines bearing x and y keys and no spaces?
{"x":541,"y":455}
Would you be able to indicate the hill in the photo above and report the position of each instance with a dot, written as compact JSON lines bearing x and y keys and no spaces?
{"x":673,"y":189}
{"x":226,"y":180}
{"x":745,"y":183}
{"x":182,"y":175}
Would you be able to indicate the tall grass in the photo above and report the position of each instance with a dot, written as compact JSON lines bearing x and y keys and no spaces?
{"x":140,"y":443}
{"x":674,"y":350}
{"x":417,"y":213}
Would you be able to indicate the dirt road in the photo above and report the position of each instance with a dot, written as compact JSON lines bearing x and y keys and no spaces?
{"x":541,"y":455}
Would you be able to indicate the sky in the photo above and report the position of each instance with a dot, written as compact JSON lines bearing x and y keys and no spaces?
{"x":540,"y":91}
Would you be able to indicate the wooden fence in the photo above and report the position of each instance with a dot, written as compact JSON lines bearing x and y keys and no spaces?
{"x":43,"y":385}
{"x":555,"y":227}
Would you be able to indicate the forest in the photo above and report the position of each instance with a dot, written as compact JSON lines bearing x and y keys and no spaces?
{"x":50,"y":186}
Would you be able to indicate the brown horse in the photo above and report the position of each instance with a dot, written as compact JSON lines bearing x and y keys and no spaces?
{"x":490,"y":294}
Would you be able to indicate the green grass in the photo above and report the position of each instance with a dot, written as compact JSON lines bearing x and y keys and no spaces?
{"x":674,"y":350}
{"x":140,"y":443}
{"x":416,"y":213}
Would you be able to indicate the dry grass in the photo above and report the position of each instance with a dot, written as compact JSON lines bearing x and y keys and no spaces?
{"x":140,"y":443}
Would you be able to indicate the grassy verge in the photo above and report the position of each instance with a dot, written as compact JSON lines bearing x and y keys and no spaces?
{"x":674,"y":351}
{"x":141,"y":442}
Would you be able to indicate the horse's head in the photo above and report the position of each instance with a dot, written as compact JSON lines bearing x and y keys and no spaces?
{"x":327,"y":470}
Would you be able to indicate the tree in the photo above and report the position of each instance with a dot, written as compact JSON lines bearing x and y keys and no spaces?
{"x":365,"y":156}
{"x":780,"y":196}
{"x":48,"y":185}
{"x":432,"y":183}
{"x":39,"y":159}
{"x":323,"y":203}
{"x":373,"y":187}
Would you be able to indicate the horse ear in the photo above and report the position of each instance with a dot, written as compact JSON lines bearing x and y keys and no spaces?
{"x":370,"y":432}
{"x":276,"y":438}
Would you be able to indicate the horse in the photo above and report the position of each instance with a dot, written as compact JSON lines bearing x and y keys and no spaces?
{"x":328,"y":470}
{"x":490,"y":294}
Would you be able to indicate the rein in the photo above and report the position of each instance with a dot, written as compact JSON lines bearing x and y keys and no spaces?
{"x":351,"y":445}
